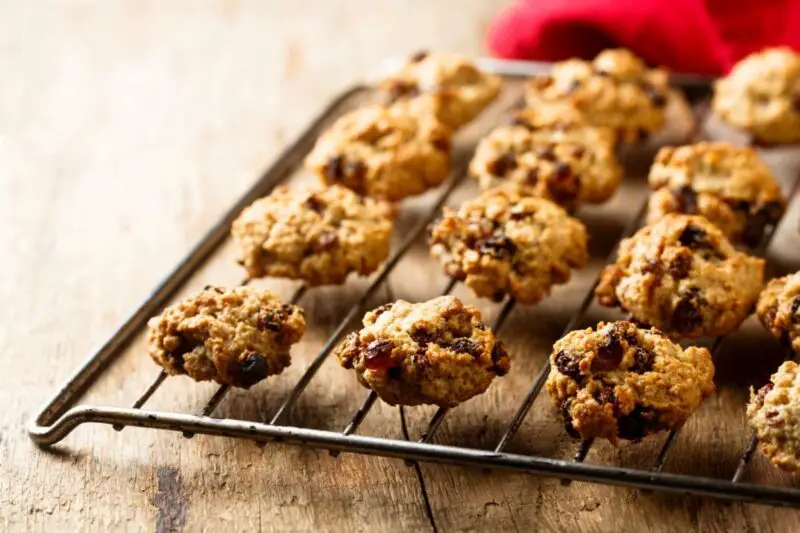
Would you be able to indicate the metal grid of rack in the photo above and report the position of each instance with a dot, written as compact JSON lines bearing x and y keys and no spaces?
{"x":62,"y":414}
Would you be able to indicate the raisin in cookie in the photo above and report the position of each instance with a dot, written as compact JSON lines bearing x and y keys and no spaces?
{"x":616,"y":89}
{"x":619,"y":381}
{"x":235,"y":337}
{"x":684,"y":277}
{"x":317,"y":235}
{"x":382,"y":152}
{"x":567,"y":162}
{"x":446,"y":86}
{"x":779,"y":309}
{"x":505,"y":241}
{"x":774,"y":414}
{"x":761,"y":96}
{"x":728,"y":185}
{"x":436,"y":352}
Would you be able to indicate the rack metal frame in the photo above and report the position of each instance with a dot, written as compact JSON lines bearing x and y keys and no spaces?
{"x":63,"y":412}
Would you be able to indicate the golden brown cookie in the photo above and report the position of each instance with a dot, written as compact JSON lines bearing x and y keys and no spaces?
{"x":448,"y":87}
{"x":382,"y":152}
{"x":235,"y":337}
{"x":567,"y":162}
{"x":684,"y":277}
{"x":619,"y":381}
{"x":729,"y":185}
{"x":761,"y":95}
{"x":616,"y":90}
{"x":779,"y":309}
{"x":317,"y":235}
{"x":507,"y":242}
{"x":435,"y":352}
{"x":774,"y":414}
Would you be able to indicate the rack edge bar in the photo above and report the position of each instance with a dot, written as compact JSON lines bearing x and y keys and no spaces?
{"x":435,"y":453}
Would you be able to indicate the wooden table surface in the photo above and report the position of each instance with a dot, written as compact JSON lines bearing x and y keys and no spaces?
{"x":126,"y":128}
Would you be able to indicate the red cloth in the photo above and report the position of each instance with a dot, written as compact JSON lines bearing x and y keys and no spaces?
{"x":700,"y":36}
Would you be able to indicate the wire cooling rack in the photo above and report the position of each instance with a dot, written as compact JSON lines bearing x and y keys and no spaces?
{"x":63,"y":413}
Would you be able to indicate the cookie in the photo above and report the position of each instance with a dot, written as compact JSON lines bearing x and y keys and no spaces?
{"x":621,"y":382}
{"x":761,"y":95}
{"x":235,"y":337}
{"x":317,"y":235}
{"x":567,"y":162}
{"x":435,"y":352}
{"x":684,"y":277}
{"x":384,"y":153}
{"x":507,"y":242}
{"x":446,"y":86}
{"x":615,"y":90}
{"x":774,"y":414}
{"x":779,"y":309}
{"x":729,"y":185}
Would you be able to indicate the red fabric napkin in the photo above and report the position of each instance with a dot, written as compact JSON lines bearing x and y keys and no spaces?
{"x":699,"y":36}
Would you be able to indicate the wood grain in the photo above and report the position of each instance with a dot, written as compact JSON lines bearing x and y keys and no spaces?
{"x":126,"y":128}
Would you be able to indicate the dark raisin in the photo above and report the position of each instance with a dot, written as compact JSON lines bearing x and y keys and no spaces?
{"x":762,"y":393}
{"x":325,"y":242}
{"x":795,"y":307}
{"x":563,"y":170}
{"x":693,"y":237}
{"x":498,"y":246}
{"x":680,"y":267}
{"x":400,"y":89}
{"x":638,"y":423}
{"x":421,"y":336}
{"x":532,"y":177}
{"x":335,"y":168}
{"x":498,"y":296}
{"x":686,"y":316}
{"x":354,"y":173}
{"x":565,"y":186}
{"x":643,"y":360}
{"x":394,"y":372}
{"x":498,"y":351}
{"x":643,"y":134}
{"x":609,"y":354}
{"x":378,"y":354}
{"x":569,"y":365}
{"x":441,"y":143}
{"x":796,"y":103}
{"x":315,"y":203}
{"x":503,"y":164}
{"x":757,"y":223}
{"x":271,"y":321}
{"x":467,"y":346}
{"x":382,"y":309}
{"x":687,"y":200}
{"x":419,"y":56}
{"x":547,"y":154}
{"x":519,"y":120}
{"x":656,"y":96}
{"x":571,"y":431}
{"x":578,"y":151}
{"x":252,"y":369}
{"x":600,"y":72}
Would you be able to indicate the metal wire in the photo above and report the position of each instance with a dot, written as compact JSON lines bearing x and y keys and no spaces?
{"x":60,"y":416}
{"x":538,"y":383}
{"x":438,"y":417}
